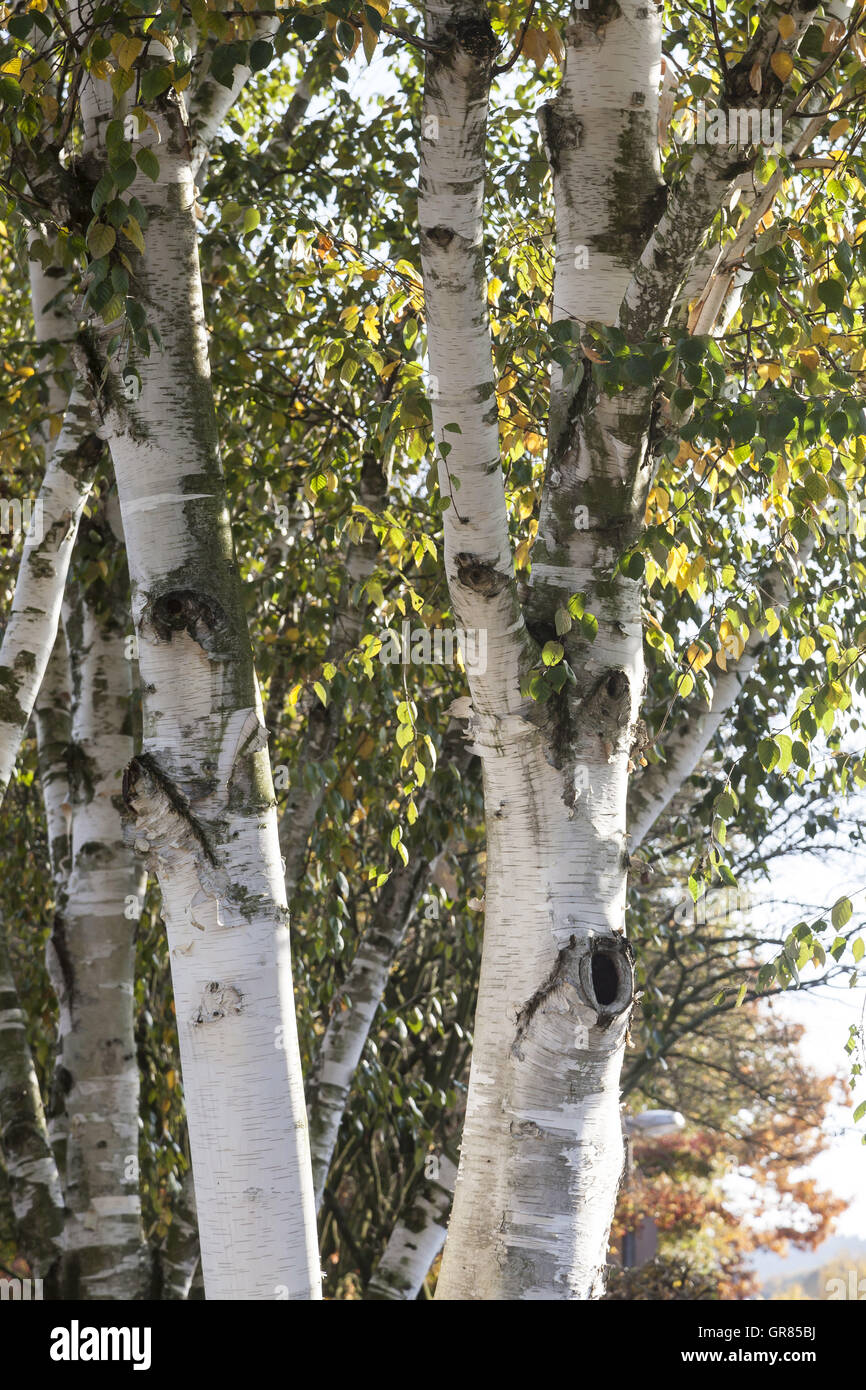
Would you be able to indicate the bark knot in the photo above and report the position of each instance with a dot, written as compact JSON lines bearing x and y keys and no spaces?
{"x":441,"y":236}
{"x":217,"y":1001}
{"x":481,"y":576}
{"x":185,"y":610}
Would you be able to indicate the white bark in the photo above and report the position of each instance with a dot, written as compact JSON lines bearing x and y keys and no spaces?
{"x":201,"y":796}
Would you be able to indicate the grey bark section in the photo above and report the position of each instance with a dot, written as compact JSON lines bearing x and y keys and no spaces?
{"x":107,"y":1258}
{"x":53,"y":719}
{"x":33,"y":1179}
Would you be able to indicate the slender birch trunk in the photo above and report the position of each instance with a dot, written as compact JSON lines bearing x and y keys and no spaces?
{"x":201,"y":796}
{"x":347,"y":1032}
{"x":542,"y":1148}
{"x":106,"y":1255}
{"x":53,"y":720}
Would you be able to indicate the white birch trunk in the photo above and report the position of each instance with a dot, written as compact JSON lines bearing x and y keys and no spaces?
{"x":201,"y":796}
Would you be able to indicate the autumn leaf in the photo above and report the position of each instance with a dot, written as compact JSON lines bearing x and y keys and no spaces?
{"x":783,"y":65}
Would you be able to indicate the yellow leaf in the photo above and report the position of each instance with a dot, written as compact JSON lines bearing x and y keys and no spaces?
{"x":809,"y":359}
{"x":697,"y":657}
{"x":534,"y":442}
{"x":49,"y":107}
{"x":782,"y":64}
{"x":838,"y":128}
{"x":769,"y":371}
{"x":787,"y":26}
{"x":126,"y":49}
{"x":132,"y":231}
{"x":554,"y":44}
{"x":535,"y":47}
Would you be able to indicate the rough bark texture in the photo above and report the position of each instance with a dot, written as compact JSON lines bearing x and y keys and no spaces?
{"x":31,"y":1171}
{"x":542,"y":1149}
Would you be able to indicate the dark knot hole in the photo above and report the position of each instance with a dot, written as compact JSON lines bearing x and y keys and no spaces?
{"x":605,"y":978}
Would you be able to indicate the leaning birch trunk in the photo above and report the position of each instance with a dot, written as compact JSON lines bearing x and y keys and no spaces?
{"x":347,"y":1032}
{"x":106,"y":1256}
{"x":201,"y":796}
{"x":33,"y":621}
{"x":416,"y":1240}
{"x":34,"y":1182}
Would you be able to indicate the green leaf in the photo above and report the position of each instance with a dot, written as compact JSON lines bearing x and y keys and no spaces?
{"x":858,"y":949}
{"x":831,"y":293}
{"x":785,"y":747}
{"x":321,"y":692}
{"x":552,"y":652}
{"x":860,"y":1112}
{"x":261,"y":53}
{"x":841,"y":913}
{"x":156,"y":80}
{"x":148,"y":163}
